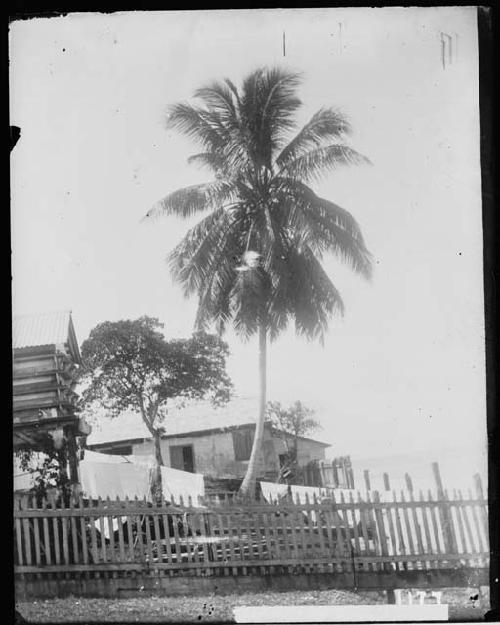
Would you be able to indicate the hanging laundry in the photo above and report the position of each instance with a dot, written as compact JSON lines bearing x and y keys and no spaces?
{"x":116,"y":522}
{"x":273,"y":492}
{"x":176,"y":484}
{"x":94,"y":456}
{"x":147,"y":461}
{"x":310,"y":491}
{"x":103,"y":479}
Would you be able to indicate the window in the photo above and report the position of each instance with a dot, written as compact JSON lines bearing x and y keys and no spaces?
{"x":182,"y":457}
{"x":242,"y":443}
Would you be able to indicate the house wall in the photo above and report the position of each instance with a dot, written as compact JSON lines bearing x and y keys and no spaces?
{"x":214,"y":453}
{"x":306,"y":450}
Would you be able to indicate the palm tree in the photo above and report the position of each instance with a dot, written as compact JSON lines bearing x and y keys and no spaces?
{"x":254,"y":260}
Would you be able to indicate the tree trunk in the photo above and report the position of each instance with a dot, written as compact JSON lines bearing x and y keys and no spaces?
{"x":157,"y":485}
{"x":247,"y":487}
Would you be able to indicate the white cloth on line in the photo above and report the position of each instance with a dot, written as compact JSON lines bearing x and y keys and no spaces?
{"x":183,"y":484}
{"x":310,"y":491}
{"x":94,"y":456}
{"x":103,"y":479}
{"x":272,"y":492}
{"x":147,"y":461}
{"x":114,"y":521}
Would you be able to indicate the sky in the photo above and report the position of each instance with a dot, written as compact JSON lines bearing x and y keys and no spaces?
{"x":403,"y":372}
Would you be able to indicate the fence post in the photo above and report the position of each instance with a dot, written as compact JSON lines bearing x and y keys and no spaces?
{"x":350,"y":474}
{"x":366,"y":475}
{"x":335,"y":471}
{"x":478,"y":485}
{"x":387,"y":485}
{"x":444,"y":512}
{"x":409,"y":483}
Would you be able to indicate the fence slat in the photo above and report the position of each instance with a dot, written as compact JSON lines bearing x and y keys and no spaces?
{"x":234,"y":532}
{"x":427,"y":533}
{"x":381,"y":531}
{"x":36,"y":532}
{"x":221,"y":527}
{"x":436,"y":519}
{"x":470,"y":548}
{"x":275,"y":550}
{"x":26,"y":538}
{"x":93,"y":536}
{"x":102,"y":531}
{"x":357,"y":543}
{"x":168,"y":546}
{"x":460,"y":522}
{"x":139,"y":520}
{"x":300,"y":520}
{"x":65,"y":549}
{"x":364,"y":521}
{"x":176,"y":537}
{"x":483,"y":515}
{"x":416,"y":524}
{"x":319,"y":527}
{"x":392,"y":547}
{"x":149,"y":542}
{"x":407,"y":526}
{"x":130,"y":531}
{"x":266,"y":518}
{"x":74,"y":535}
{"x":335,"y":520}
{"x":121,"y":542}
{"x":46,"y":538}
{"x":477,"y":528}
{"x":401,"y":543}
{"x":450,"y":526}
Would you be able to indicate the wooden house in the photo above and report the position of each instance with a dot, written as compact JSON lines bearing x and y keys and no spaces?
{"x":45,"y":359}
{"x":213,"y":441}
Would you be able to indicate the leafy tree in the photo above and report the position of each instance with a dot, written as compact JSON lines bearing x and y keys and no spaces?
{"x":47,"y":466}
{"x":130,"y":365}
{"x":291,"y":423}
{"x":255,"y":259}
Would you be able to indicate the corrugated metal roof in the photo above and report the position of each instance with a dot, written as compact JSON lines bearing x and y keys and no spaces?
{"x":196,"y":417}
{"x":54,"y":328}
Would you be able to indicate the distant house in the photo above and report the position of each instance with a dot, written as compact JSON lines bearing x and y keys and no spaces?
{"x":202,"y":439}
{"x":45,"y":359}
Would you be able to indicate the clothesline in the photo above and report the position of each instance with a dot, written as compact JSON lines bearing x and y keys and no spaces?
{"x":103,"y":475}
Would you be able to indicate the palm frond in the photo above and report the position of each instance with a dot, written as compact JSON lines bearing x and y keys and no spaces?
{"x":318,"y":161}
{"x":268,"y":102}
{"x":323,"y":226}
{"x":313,"y":296}
{"x":194,"y":199}
{"x":218,"y":97}
{"x":197,"y":124}
{"x":324,"y":125}
{"x":212,"y":161}
{"x":249,"y":299}
{"x":194,"y":259}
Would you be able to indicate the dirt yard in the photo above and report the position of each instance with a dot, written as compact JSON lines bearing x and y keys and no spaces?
{"x":216,"y":608}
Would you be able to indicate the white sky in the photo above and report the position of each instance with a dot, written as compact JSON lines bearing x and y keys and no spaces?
{"x":404,"y":370}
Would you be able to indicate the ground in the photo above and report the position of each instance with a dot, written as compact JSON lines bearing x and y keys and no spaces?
{"x":218,"y":608}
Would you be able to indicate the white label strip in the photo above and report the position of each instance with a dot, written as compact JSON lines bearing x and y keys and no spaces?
{"x":340,"y":613}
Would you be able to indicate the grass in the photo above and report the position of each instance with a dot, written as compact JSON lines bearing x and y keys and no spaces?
{"x":217,"y":608}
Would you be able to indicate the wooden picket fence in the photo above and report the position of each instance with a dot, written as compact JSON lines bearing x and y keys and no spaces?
{"x":352,"y":534}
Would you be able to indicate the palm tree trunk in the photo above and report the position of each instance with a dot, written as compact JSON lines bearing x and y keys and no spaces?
{"x":247,"y":487}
